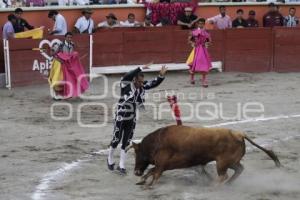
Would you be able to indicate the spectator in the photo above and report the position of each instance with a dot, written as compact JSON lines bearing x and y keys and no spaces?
{"x":273,"y":17}
{"x":21,"y":23}
{"x":251,"y":21}
{"x":188,"y":19}
{"x":71,"y":2}
{"x":221,"y":21}
{"x":130,"y":22}
{"x":8,"y":28}
{"x":5,"y":3}
{"x":163,"y":22}
{"x":291,"y":20}
{"x":60,"y":24}
{"x":85,"y":24}
{"x":147,"y":22}
{"x":111,"y":22}
{"x":239,"y":22}
{"x":118,"y":2}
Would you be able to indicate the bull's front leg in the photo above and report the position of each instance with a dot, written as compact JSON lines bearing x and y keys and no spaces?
{"x":156,"y":175}
{"x":146,"y":176}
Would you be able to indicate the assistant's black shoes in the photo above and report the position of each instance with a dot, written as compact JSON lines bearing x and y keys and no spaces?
{"x":110,"y":167}
{"x":122,"y":171}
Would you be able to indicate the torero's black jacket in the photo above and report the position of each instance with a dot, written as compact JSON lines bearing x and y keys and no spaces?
{"x":132,"y":97}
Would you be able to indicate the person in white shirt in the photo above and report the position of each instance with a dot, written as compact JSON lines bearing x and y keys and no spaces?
{"x":147,"y":22}
{"x":130,"y":22}
{"x":111,"y":22}
{"x":60,"y":25}
{"x":85,"y":24}
{"x":291,"y":20}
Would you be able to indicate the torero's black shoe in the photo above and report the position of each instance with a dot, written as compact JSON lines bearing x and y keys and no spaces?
{"x":110,"y":167}
{"x":122,"y":171}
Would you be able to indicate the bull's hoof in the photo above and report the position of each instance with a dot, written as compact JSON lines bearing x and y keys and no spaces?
{"x":148,"y":187}
{"x":141,"y":182}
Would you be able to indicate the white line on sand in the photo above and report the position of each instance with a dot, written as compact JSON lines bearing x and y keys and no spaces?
{"x":51,"y":177}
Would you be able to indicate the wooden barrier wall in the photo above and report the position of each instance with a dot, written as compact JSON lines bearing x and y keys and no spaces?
{"x":241,"y":50}
{"x":22,"y":59}
{"x":286,"y":50}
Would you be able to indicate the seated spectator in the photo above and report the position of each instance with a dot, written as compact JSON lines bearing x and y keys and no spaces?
{"x":60,"y":25}
{"x":8,"y":28}
{"x":291,"y":20}
{"x":188,"y":19}
{"x":273,"y":17}
{"x":239,"y":22}
{"x":130,"y":22}
{"x":251,"y":21}
{"x":221,"y":21}
{"x":147,"y":22}
{"x":111,"y":22}
{"x":21,"y":23}
{"x":85,"y":24}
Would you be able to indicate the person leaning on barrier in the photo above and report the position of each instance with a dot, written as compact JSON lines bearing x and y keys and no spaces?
{"x":60,"y":24}
{"x":21,"y":23}
{"x":221,"y":21}
{"x":147,"y":22}
{"x":239,"y":22}
{"x":291,"y":20}
{"x":8,"y":28}
{"x":111,"y":22}
{"x":188,"y":19}
{"x":251,"y":21}
{"x":130,"y":22}
{"x":273,"y":17}
{"x":85,"y":24}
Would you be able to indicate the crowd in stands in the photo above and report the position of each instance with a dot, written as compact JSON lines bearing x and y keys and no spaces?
{"x":187,"y":20}
{"x":30,"y":3}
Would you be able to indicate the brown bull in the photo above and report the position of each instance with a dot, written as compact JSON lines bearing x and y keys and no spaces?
{"x":175,"y":147}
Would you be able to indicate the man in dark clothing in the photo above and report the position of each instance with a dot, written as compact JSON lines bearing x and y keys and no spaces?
{"x":188,"y":19}
{"x":133,"y":88}
{"x":273,"y":17}
{"x":239,"y":22}
{"x":251,"y":21}
{"x":21,"y":23}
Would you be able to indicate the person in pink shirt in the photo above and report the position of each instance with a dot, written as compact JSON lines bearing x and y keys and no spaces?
{"x":221,"y":21}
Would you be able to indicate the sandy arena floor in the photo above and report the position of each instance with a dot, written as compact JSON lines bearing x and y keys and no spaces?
{"x":43,"y":158}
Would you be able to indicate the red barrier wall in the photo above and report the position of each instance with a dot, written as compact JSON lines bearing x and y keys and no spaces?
{"x":287,"y":50}
{"x":248,"y":50}
{"x":23,"y":57}
{"x":138,"y":46}
{"x":240,"y":50}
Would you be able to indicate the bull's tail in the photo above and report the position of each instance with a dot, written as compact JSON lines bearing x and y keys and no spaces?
{"x":270,"y":153}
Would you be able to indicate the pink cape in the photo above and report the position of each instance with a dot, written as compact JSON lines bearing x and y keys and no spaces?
{"x":202,"y":60}
{"x":74,"y":76}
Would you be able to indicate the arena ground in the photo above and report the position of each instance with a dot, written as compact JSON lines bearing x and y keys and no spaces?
{"x":44,"y":158}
